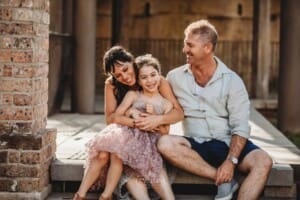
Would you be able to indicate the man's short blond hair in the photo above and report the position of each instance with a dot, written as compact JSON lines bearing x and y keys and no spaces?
{"x":205,"y":30}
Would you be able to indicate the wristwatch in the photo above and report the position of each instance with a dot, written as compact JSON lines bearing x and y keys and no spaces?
{"x":233,"y":159}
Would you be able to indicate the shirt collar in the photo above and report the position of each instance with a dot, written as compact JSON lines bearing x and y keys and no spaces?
{"x":221,"y":69}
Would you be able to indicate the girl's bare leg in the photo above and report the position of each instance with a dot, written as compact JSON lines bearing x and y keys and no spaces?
{"x":163,"y":188}
{"x":137,"y":189}
{"x":92,"y":173}
{"x":113,"y":177}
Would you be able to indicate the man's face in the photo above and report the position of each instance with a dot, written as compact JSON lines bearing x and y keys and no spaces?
{"x":194,"y":49}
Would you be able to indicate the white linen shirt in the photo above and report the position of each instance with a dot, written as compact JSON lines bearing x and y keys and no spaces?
{"x":219,"y":110}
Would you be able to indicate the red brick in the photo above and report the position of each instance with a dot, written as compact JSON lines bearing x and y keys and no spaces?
{"x":6,"y":42}
{"x":11,"y":42}
{"x":3,"y":156}
{"x":16,"y":85}
{"x":31,"y":157}
{"x":21,"y":57}
{"x":5,"y":14}
{"x":23,"y":114}
{"x":42,"y":30}
{"x":5,"y":56}
{"x":6,"y":184}
{"x":22,"y":99}
{"x":13,"y":156}
{"x":7,"y":70}
{"x":10,"y":3}
{"x":30,"y":184}
{"x":17,"y":170}
{"x":24,"y":71}
{"x":6,"y":113}
{"x":5,"y":128}
{"x":6,"y":99}
{"x":41,"y":56}
{"x":23,"y":15}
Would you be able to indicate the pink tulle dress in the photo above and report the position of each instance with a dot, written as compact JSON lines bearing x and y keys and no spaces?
{"x":135,"y":147}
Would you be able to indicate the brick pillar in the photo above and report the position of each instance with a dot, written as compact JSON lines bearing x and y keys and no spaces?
{"x":26,"y":146}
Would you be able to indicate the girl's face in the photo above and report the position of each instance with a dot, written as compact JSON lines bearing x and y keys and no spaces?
{"x":149,"y":79}
{"x":124,"y":73}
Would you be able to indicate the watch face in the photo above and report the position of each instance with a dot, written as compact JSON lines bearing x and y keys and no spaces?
{"x":234,"y":160}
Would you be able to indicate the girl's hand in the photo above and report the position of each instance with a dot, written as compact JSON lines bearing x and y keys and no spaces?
{"x":149,"y":108}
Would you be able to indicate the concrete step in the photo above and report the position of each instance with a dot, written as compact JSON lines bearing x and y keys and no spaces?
{"x":95,"y":196}
{"x":72,"y":170}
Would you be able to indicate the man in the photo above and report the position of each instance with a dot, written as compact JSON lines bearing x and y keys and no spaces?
{"x":216,"y":108}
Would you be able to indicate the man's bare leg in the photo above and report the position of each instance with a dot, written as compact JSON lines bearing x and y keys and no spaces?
{"x":177,"y":150}
{"x":258,"y":165}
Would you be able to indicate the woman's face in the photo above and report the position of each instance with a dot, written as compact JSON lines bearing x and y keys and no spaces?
{"x":124,"y":73}
{"x":149,"y":79}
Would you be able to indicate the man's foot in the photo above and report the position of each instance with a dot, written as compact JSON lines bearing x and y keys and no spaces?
{"x":226,"y":190}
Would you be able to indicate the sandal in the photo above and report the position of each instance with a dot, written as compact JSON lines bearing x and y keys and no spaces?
{"x":103,"y":198}
{"x":78,"y":197}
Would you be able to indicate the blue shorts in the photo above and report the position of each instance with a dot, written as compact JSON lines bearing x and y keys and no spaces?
{"x":215,"y":152}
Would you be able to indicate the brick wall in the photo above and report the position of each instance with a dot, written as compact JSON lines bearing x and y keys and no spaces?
{"x":26,"y":146}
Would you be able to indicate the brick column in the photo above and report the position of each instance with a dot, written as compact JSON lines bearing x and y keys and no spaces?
{"x":26,"y":146}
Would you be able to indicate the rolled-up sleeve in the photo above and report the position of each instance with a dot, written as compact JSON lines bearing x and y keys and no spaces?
{"x":238,"y":108}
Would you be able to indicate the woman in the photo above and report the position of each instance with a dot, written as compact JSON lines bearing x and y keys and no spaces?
{"x":119,"y":64}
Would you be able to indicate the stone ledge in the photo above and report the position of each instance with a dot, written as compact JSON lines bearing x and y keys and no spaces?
{"x":72,"y":170}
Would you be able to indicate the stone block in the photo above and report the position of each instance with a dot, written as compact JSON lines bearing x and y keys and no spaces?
{"x":281,"y":192}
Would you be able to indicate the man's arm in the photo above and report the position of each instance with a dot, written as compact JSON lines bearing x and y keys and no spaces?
{"x":238,"y":106}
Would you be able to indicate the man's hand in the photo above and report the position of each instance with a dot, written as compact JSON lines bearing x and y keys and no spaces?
{"x":225,"y":172}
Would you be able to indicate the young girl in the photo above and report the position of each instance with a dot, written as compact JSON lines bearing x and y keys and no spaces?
{"x":134,"y":147}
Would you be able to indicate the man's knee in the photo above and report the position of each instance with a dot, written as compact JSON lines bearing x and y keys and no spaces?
{"x":259,"y":161}
{"x":164,"y":144}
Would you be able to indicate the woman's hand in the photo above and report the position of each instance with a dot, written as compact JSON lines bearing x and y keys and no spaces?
{"x":148,"y":122}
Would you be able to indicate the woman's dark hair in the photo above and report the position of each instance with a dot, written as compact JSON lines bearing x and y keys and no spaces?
{"x":115,"y":55}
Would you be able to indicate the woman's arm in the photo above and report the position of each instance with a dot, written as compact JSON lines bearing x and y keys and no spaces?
{"x":150,"y":122}
{"x":110,"y":106}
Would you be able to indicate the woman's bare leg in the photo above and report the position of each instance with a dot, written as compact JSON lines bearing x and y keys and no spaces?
{"x":137,"y":189}
{"x":163,"y":188}
{"x":92,"y":173}
{"x":113,"y":176}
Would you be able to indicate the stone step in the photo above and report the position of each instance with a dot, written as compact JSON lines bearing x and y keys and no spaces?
{"x":72,"y":170}
{"x":95,"y":196}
